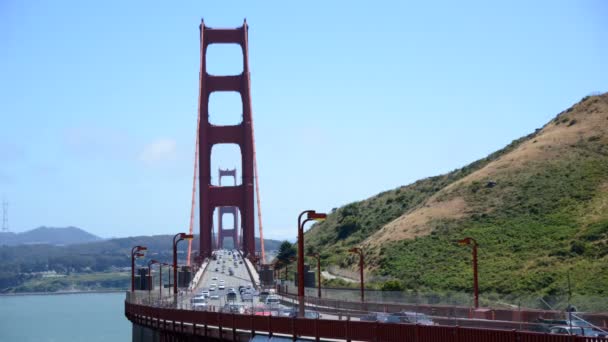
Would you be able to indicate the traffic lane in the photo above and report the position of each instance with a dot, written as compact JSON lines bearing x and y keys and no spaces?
{"x":240,"y":277}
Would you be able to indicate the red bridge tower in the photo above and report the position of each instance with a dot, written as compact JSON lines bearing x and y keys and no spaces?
{"x":240,"y":196}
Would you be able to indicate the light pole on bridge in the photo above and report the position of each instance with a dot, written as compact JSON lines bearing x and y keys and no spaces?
{"x":470,"y":241}
{"x":311,"y":215}
{"x":160,"y":280}
{"x":135,"y":253}
{"x":149,"y":283}
{"x":177,"y":238}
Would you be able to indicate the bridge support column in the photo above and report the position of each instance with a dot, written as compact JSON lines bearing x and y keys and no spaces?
{"x":240,"y":196}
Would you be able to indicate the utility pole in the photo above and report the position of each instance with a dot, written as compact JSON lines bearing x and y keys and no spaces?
{"x":4,"y":216}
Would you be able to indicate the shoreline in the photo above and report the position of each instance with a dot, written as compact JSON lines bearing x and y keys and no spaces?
{"x":15,"y":294}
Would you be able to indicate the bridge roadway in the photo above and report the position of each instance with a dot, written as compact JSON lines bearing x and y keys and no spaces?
{"x":154,"y":322}
{"x":218,"y":270}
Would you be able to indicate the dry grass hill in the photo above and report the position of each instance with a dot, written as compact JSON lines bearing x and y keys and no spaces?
{"x":538,"y":208}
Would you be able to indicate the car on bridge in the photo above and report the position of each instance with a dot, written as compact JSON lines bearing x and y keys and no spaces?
{"x":263,"y":295}
{"x":199,"y":303}
{"x":231,"y":296}
{"x":234,"y":308}
{"x":272,"y":301}
{"x":293,"y":312}
{"x":574,"y":330}
{"x":398,"y":317}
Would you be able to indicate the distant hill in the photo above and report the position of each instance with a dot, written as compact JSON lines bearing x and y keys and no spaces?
{"x":49,"y":236}
{"x":21,"y":263}
{"x":538,"y":209}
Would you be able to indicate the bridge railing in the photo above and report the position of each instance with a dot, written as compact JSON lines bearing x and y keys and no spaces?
{"x":330,"y":309}
{"x":459,"y":305}
{"x":229,"y":326}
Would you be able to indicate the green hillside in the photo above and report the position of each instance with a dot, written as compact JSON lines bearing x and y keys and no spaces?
{"x":538,"y":209}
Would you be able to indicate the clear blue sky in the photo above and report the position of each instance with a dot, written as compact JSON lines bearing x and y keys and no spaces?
{"x":98,"y":99}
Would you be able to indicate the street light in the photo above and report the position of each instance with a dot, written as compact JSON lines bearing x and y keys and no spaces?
{"x":160,"y":278}
{"x":169,"y":276}
{"x":361,"y":267}
{"x":179,"y":237}
{"x":466,"y":242}
{"x":135,"y":253}
{"x":311,"y":215}
{"x":150,"y":263}
{"x":316,"y":256}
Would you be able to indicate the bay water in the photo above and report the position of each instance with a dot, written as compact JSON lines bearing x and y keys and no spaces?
{"x":64,"y":318}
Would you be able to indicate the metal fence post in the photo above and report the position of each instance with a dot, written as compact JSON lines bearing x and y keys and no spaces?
{"x":347,"y":331}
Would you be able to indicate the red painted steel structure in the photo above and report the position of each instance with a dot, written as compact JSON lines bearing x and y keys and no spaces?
{"x":198,"y":325}
{"x":473,"y":242}
{"x":223,"y":232}
{"x":241,"y":196}
{"x":134,"y":255}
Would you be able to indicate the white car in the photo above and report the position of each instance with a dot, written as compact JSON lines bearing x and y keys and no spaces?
{"x":221,"y":287}
{"x":214,"y":296}
{"x":198,"y":302}
{"x":212,"y":288}
{"x":222,"y":281}
{"x":272,"y":301}
{"x":214,"y":278}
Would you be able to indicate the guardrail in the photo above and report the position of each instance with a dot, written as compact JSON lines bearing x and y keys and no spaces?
{"x":515,"y":316}
{"x":198,"y":275}
{"x":231,"y":327}
{"x":255,"y":279}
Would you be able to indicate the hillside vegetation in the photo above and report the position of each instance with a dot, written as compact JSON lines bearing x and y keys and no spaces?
{"x":538,"y":209}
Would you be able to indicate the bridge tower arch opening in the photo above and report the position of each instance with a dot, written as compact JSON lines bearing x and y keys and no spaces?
{"x":212,"y":196}
{"x":225,"y":230}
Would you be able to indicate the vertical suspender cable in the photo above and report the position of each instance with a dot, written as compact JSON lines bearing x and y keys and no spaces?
{"x":193,"y":206}
{"x":255,"y":164}
{"x":257,"y":193}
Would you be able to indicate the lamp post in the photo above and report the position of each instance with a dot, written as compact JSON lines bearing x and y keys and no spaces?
{"x":470,"y":241}
{"x":160,"y":278}
{"x":135,"y":253}
{"x":150,"y":263}
{"x":169,"y":275}
{"x":311,"y":215}
{"x":361,"y":267}
{"x":316,"y":256}
{"x":177,"y":238}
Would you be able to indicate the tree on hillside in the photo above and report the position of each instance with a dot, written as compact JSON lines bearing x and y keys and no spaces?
{"x":286,"y":251}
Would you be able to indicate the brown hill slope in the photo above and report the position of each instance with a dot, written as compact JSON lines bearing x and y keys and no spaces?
{"x":538,"y":208}
{"x":586,"y":121}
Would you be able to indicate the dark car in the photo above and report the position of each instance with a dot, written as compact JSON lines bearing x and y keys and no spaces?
{"x":231,"y":296}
